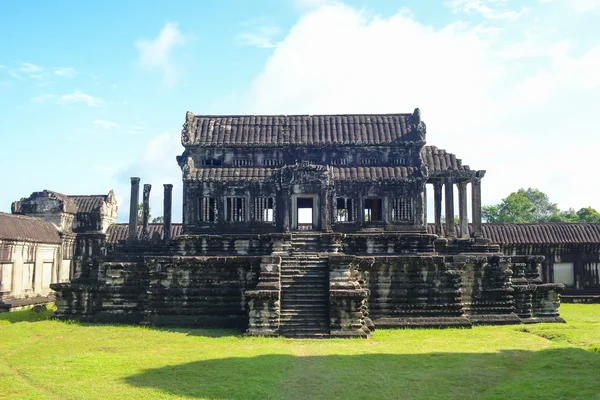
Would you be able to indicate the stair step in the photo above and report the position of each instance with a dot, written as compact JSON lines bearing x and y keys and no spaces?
{"x":319,"y":281}
{"x":303,"y":323}
{"x":304,"y":314}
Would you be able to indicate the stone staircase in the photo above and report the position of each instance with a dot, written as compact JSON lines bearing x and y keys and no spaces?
{"x":304,"y":290}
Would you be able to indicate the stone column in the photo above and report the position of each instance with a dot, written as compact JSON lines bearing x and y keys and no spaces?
{"x":285,"y":211}
{"x":422,"y":204}
{"x":133,"y":207}
{"x":325,"y":210}
{"x":147,"y":188}
{"x":167,"y":209}
{"x":437,"y":205}
{"x":476,"y":202}
{"x":449,"y":199}
{"x":462,"y":209}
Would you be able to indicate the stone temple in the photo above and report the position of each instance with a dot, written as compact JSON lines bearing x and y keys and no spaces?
{"x":309,"y":226}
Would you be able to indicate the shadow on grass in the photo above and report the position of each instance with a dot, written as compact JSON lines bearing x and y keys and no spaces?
{"x":556,"y":373}
{"x":27,"y":315}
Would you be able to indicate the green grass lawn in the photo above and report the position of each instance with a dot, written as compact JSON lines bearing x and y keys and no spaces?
{"x":45,"y":359}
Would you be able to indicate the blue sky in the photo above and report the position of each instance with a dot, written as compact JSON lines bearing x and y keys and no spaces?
{"x":92,"y":93}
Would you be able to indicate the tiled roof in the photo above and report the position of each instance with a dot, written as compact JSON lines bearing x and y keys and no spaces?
{"x":118,"y":232}
{"x":373,"y":173}
{"x":439,"y":160}
{"x":230,"y":174}
{"x":264,"y":130}
{"x":337,"y":173}
{"x":20,"y":227}
{"x":89,"y":203}
{"x":546,"y":233}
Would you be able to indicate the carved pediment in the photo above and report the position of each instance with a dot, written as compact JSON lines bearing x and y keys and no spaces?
{"x":304,"y":172}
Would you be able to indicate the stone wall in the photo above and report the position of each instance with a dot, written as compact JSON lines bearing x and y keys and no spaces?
{"x":163,"y":290}
{"x":26,"y":271}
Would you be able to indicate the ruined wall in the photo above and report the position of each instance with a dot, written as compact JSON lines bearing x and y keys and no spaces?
{"x":408,"y":291}
{"x":584,"y":257}
{"x":162,"y":290}
{"x":387,"y":243}
{"x":27,"y":270}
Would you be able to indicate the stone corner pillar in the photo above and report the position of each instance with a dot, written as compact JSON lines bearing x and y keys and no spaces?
{"x":133,"y":207}
{"x":449,"y":200}
{"x":476,"y":203}
{"x":437,"y":206}
{"x":146,"y":210}
{"x":324,"y":210}
{"x":462,"y":209}
{"x":167,"y":211}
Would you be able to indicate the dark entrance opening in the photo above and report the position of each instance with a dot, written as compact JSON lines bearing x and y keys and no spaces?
{"x":373,"y":210}
{"x":305,"y":213}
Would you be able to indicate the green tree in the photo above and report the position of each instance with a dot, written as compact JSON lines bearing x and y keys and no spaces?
{"x":565,"y":216}
{"x":588,"y":214}
{"x":158,"y":220}
{"x":533,"y":205}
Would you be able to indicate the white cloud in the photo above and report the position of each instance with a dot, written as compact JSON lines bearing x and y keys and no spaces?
{"x":261,"y":37}
{"x":71,"y":98}
{"x":65,"y":72}
{"x":80,"y":97}
{"x":43,"y":98}
{"x":585,"y":5}
{"x":489,"y":9}
{"x":104,"y":124}
{"x":311,"y":4}
{"x":29,"y":68}
{"x":156,"y":53}
{"x":525,"y":128}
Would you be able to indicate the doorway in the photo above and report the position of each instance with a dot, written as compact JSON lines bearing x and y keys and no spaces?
{"x":306,"y":212}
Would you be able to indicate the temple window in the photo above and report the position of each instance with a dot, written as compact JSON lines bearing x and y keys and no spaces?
{"x":369,"y":161}
{"x":402,"y":209}
{"x":272,"y":162}
{"x":373,"y":210}
{"x":211,"y":162}
{"x":563,"y":273}
{"x":236,"y":209}
{"x":344,"y":210}
{"x":264,"y":209}
{"x":244,"y":162}
{"x":208,"y":209}
{"x":339,"y":161}
{"x":398,"y":161}
{"x":6,"y":277}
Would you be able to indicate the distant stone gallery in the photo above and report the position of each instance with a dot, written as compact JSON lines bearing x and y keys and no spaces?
{"x":306,"y":226}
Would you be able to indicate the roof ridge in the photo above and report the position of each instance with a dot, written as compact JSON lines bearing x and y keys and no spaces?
{"x":299,"y":115}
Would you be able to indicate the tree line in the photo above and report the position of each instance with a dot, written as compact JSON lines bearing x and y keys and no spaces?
{"x":533,"y":205}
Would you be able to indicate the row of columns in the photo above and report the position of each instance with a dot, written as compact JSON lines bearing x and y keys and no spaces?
{"x":447,"y":185}
{"x":133,"y":210}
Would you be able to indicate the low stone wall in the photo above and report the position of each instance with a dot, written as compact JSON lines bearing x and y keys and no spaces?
{"x":162,"y":290}
{"x":387,"y":243}
{"x":412,"y":291}
{"x":388,"y":288}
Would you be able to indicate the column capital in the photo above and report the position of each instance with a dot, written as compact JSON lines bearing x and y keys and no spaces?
{"x":135,"y":180}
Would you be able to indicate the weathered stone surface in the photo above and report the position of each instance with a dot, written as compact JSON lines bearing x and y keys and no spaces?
{"x":310,"y":226}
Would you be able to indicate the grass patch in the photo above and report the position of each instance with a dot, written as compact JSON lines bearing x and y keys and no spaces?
{"x":45,"y":359}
